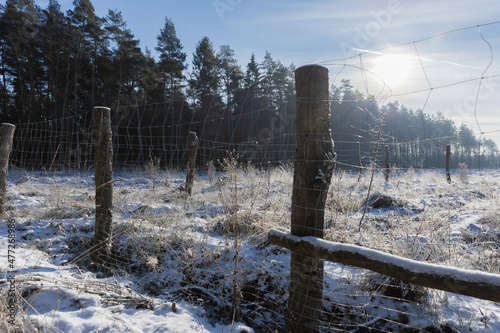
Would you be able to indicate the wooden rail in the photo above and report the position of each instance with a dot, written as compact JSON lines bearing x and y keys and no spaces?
{"x":459,"y":281}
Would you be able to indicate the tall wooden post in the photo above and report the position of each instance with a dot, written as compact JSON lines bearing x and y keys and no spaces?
{"x":6,"y":139}
{"x":479,"y":157}
{"x":387,"y":166}
{"x":193,"y":143}
{"x":314,"y":165}
{"x":103,"y":157}
{"x":448,"y":155}
{"x":360,"y":166}
{"x":139,"y":132}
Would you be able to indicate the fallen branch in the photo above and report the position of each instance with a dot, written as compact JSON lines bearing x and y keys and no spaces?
{"x":459,"y":281}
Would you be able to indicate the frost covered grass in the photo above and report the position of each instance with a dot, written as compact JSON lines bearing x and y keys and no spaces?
{"x":203,"y":263}
{"x":419,"y":216}
{"x":425,"y":218}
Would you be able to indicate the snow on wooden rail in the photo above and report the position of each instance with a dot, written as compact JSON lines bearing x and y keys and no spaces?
{"x":460,"y":281}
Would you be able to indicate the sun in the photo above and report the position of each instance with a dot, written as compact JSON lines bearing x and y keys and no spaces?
{"x":392,"y":69}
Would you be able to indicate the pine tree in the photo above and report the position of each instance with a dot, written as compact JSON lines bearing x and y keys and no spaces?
{"x":6,"y":98}
{"x":21,"y":59}
{"x":269,"y":87}
{"x":127,"y":61}
{"x":89,"y":43}
{"x":171,"y":65}
{"x":56,"y":34}
{"x":204,"y":91}
{"x":467,"y":143}
{"x":231,"y":76}
{"x":253,"y":90}
{"x":172,"y":59}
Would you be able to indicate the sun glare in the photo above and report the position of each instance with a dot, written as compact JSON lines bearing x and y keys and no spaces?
{"x":392,"y":69}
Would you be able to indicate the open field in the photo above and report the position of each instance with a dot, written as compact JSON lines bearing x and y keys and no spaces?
{"x":203,"y":263}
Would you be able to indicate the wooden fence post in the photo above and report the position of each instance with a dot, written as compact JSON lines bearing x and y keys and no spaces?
{"x":360,"y":166}
{"x":193,"y":144}
{"x":387,"y":166}
{"x":103,"y":157}
{"x":479,"y":157}
{"x":139,"y":132}
{"x":448,"y":155}
{"x":6,"y":139}
{"x":314,"y":165}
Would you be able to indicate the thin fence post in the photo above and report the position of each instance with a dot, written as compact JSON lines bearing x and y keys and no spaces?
{"x":139,"y":132}
{"x":360,"y":166}
{"x":448,"y":155}
{"x":193,"y":143}
{"x":103,"y":158}
{"x":6,"y":139}
{"x":314,"y":164}
{"x":387,"y":166}
{"x":479,"y":158}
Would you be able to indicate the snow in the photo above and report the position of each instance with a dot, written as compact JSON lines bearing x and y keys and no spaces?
{"x":320,"y":176}
{"x":62,"y":297}
{"x":68,"y":300}
{"x":177,"y":269}
{"x":406,"y":264}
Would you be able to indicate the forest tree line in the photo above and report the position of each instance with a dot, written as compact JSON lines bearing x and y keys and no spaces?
{"x":56,"y":66}
{"x":415,"y":138}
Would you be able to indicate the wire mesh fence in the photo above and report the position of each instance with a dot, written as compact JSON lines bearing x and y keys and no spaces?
{"x":175,"y":249}
{"x":210,"y":248}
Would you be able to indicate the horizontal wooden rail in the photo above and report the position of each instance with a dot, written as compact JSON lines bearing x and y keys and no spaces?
{"x":459,"y":281}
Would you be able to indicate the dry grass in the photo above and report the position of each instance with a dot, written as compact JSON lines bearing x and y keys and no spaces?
{"x":170,"y":241}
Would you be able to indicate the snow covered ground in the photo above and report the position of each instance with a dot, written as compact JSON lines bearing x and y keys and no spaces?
{"x":177,"y":267}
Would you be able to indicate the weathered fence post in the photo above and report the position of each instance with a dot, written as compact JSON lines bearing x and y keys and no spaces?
{"x":360,"y":166}
{"x":387,"y":169}
{"x":193,"y":143}
{"x":139,"y":132}
{"x":6,"y":138}
{"x":314,"y":164}
{"x":479,"y":157}
{"x":448,"y":155}
{"x":103,"y":157}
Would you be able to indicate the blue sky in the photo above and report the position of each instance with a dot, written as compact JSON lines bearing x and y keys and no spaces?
{"x":326,"y":31}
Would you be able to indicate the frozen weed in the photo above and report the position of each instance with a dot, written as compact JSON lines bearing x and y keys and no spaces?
{"x":152,"y":169}
{"x":463,"y":173}
{"x":18,"y":322}
{"x":211,"y":172}
{"x":212,"y":246}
